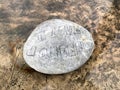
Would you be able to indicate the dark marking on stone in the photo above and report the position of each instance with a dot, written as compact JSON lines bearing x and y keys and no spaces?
{"x":55,"y":6}
{"x":23,"y":30}
{"x":4,"y":14}
{"x":94,"y":16}
{"x":93,"y":25}
{"x":27,"y":5}
{"x":103,"y":45}
{"x":117,"y":26}
{"x":118,"y":35}
{"x":13,"y":82}
{"x":116,"y":3}
{"x":116,"y":44}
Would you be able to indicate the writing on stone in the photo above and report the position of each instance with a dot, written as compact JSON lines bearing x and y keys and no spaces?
{"x":62,"y":51}
{"x":31,"y":51}
{"x":64,"y":30}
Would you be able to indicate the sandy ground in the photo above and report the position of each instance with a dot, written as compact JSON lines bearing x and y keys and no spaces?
{"x":101,"y":17}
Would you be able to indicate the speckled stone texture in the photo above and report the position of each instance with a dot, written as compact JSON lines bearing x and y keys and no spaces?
{"x":58,"y":46}
{"x":18,"y":18}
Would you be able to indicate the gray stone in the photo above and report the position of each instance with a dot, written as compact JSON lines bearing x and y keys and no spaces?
{"x":58,"y":46}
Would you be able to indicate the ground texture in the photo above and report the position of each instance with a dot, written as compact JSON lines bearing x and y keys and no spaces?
{"x":101,"y":17}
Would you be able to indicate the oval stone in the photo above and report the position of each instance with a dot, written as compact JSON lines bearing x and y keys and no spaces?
{"x":58,"y":46}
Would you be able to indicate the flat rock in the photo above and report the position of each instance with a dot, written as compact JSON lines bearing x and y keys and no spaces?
{"x":58,"y":46}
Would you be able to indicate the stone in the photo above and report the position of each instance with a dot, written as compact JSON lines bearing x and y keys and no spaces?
{"x":58,"y":46}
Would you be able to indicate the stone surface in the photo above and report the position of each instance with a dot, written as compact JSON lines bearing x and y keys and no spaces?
{"x":58,"y":46}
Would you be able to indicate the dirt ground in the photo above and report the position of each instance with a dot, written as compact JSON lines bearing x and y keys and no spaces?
{"x":18,"y":18}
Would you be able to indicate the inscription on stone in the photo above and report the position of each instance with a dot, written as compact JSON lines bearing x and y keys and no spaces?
{"x":58,"y":43}
{"x":31,"y":51}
